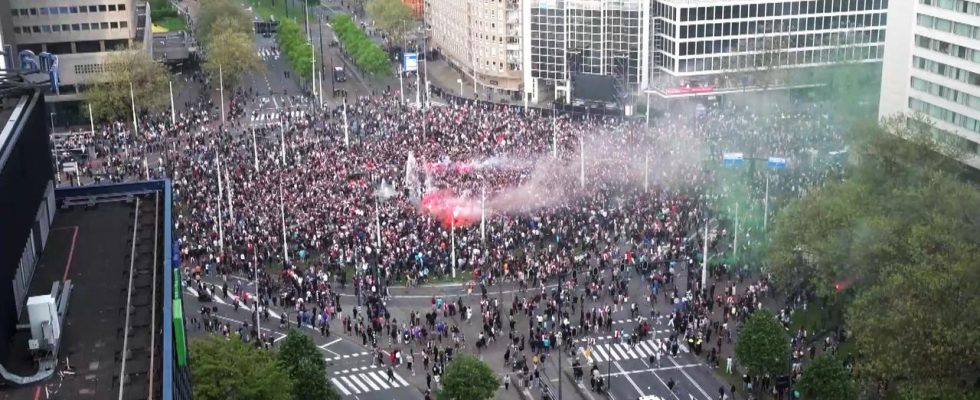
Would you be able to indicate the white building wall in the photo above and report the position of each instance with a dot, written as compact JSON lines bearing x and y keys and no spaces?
{"x":932,"y":68}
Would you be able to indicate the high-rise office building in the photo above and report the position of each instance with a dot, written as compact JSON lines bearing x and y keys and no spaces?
{"x":569,"y":38}
{"x":932,"y":67}
{"x":482,"y":39}
{"x":682,"y":48}
{"x":80,"y":32}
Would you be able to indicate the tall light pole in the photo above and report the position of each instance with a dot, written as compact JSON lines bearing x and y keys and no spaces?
{"x":452,"y":234}
{"x":132,"y":99}
{"x":581,"y":142}
{"x":346,"y":128}
{"x":255,"y":150}
{"x":460,"y":82}
{"x":173,"y":110}
{"x":554,"y":131}
{"x":91,"y":121}
{"x":221,"y":225}
{"x":221,"y":84}
{"x":282,"y":216}
{"x":704,"y":261}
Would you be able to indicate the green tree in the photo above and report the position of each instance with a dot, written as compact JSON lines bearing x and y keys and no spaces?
{"x":233,"y":53}
{"x":467,"y":377}
{"x":392,"y":16}
{"x":898,"y":239}
{"x":299,"y":355}
{"x":234,"y":17}
{"x":917,"y":330}
{"x":762,"y":345}
{"x":367,"y":54}
{"x":825,"y":378}
{"x":223,"y":369}
{"x":108,"y":92}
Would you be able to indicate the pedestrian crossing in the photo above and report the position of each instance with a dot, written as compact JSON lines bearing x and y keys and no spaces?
{"x":605,"y":352}
{"x":366,"y":382}
{"x":268,"y":54}
{"x":273,"y":117}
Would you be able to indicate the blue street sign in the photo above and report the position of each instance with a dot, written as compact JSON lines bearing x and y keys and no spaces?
{"x":410,"y":62}
{"x":777,"y":162}
{"x":733,"y":159}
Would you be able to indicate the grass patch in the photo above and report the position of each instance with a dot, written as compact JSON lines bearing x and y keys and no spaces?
{"x":171,"y":24}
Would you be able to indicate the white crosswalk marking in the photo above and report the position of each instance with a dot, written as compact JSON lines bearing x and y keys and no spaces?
{"x":378,"y":378}
{"x":353,"y":387}
{"x":339,"y":386}
{"x":621,"y":351}
{"x":367,"y":381}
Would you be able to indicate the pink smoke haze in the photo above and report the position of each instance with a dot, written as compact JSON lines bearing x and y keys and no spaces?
{"x":441,"y":204}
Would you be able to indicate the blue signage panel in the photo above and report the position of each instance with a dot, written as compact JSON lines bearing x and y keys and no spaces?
{"x":410,"y":62}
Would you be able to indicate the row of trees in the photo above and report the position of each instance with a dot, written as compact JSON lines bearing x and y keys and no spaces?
{"x":366,"y":53}
{"x":224,"y":369}
{"x":292,"y":41}
{"x":893,"y":249}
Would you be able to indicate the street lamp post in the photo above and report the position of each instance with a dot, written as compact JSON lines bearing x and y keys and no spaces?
{"x":452,"y":234}
{"x":460,"y":82}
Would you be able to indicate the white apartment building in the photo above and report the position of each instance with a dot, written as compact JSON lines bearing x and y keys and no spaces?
{"x":79,"y":32}
{"x":932,"y":68}
{"x":684,"y":48}
{"x":482,"y":38}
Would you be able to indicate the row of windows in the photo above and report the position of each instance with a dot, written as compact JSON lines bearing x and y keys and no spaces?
{"x":950,"y":94}
{"x":85,"y":26}
{"x":89,"y":68}
{"x":963,"y":6}
{"x":785,"y":25}
{"x":948,"y":71}
{"x":26,"y":12}
{"x":789,"y":58}
{"x":947,"y":48}
{"x":943,"y":114}
{"x":945,"y":25}
{"x":784,"y":42}
{"x":779,"y":9}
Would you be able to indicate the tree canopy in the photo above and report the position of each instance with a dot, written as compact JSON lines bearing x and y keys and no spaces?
{"x":467,"y":377}
{"x":895,"y":246}
{"x":230,"y":56}
{"x":224,"y":369}
{"x":392,"y":16}
{"x":300,"y":357}
{"x":232,"y":13}
{"x":225,"y":29}
{"x":108,"y":92}
{"x":762,"y":345}
{"x":825,"y":378}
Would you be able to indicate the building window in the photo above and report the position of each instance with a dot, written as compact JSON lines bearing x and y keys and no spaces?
{"x":122,"y":7}
{"x":102,"y":8}
{"x":123,"y":24}
{"x":114,"y":25}
{"x":76,"y":27}
{"x":112,"y":7}
{"x":84,"y":26}
{"x":44,"y":11}
{"x":104,"y":25}
{"x":73,"y":9}
{"x":17,"y":29}
{"x":93,"y":8}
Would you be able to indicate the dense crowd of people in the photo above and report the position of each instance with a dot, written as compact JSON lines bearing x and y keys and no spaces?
{"x":312,"y":205}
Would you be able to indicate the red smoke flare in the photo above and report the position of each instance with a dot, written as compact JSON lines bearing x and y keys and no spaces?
{"x":443,"y":203}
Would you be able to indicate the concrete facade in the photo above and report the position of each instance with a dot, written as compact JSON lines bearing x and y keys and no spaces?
{"x":932,"y":68}
{"x":80,"y":32}
{"x":480,"y":37}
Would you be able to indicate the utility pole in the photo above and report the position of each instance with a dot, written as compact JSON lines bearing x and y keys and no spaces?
{"x":173,"y":111}
{"x":132,"y":99}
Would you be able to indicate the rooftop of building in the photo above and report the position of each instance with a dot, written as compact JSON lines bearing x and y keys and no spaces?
{"x":113,"y":251}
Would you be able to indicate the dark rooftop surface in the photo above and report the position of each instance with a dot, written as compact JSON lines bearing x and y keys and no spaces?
{"x":91,"y":246}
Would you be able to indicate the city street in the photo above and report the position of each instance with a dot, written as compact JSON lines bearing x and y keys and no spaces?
{"x":627,"y":367}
